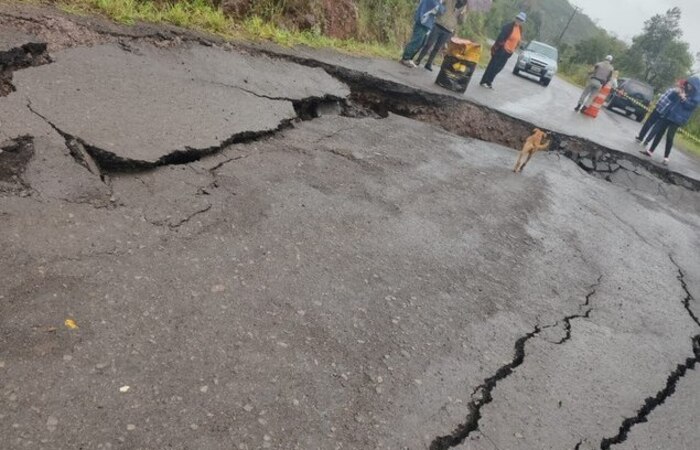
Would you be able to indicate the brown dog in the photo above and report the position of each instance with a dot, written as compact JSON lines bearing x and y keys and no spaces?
{"x":532,"y":144}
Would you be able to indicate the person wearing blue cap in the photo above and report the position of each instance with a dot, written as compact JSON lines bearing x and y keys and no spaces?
{"x":506,"y":44}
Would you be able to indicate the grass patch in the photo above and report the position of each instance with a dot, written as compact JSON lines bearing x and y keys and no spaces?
{"x":202,"y":16}
{"x":689,"y":144}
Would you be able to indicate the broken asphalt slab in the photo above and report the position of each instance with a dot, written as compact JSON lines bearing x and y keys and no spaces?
{"x":145,"y":107}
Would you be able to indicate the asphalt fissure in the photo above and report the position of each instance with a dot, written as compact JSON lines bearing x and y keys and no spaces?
{"x":103,"y":162}
{"x":584,"y":315}
{"x":26,"y":55}
{"x":483,"y":394}
{"x":688,"y":296}
{"x":651,"y":403}
{"x":109,"y":163}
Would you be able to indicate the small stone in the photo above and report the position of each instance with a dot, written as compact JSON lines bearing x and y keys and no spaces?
{"x":418,"y":382}
{"x":266,"y":438}
{"x":2,"y":364}
{"x":405,"y":354}
{"x":519,"y":435}
{"x":124,"y":389}
{"x":101,"y":366}
{"x":283,"y":344}
{"x":67,"y":358}
{"x":52,"y":422}
{"x":295,"y":402}
{"x":130,"y":427}
{"x":218,"y":288}
{"x":379,"y":390}
{"x":12,"y":397}
{"x":262,"y":421}
{"x":248,"y":407}
{"x":194,"y":426}
{"x":204,"y":389}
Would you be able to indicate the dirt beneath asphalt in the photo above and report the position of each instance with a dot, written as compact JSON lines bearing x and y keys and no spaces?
{"x":15,"y":154}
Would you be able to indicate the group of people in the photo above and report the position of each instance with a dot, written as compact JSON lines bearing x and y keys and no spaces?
{"x":672,"y":111}
{"x":435,"y":22}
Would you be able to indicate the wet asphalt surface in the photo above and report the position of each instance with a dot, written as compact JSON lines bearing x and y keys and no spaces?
{"x":238,"y":278}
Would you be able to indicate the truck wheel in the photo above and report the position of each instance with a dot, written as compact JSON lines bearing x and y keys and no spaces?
{"x":516,"y":71}
{"x":545,"y":81}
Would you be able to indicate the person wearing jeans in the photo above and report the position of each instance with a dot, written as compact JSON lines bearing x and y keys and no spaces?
{"x":442,"y":31}
{"x":677,"y":116}
{"x":424,"y":20}
{"x":666,"y":100}
{"x":504,"y":47}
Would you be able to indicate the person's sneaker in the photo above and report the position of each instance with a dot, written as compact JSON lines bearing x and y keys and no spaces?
{"x":645,"y":152}
{"x":428,"y":68}
{"x":408,"y":63}
{"x":577,"y":108}
{"x":638,"y":139}
{"x":665,"y":161}
{"x":486,"y":85}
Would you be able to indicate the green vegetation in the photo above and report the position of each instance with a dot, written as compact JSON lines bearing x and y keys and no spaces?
{"x":203,"y":16}
{"x":689,"y":144}
{"x":657,"y":55}
{"x":196,"y":14}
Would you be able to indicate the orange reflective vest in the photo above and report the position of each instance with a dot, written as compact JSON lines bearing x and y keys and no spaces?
{"x":511,"y":44}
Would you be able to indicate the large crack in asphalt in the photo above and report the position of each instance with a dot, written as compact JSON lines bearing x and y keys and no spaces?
{"x":105,"y":162}
{"x":482,"y":395}
{"x":651,"y":403}
{"x":26,"y":55}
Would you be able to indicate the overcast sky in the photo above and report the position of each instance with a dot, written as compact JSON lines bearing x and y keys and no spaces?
{"x":625,"y":18}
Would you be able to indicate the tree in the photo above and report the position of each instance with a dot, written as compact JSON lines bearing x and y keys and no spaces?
{"x":658,"y":56}
{"x":594,"y":49}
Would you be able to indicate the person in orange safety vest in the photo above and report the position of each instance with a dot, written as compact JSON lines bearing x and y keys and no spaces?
{"x":506,"y":44}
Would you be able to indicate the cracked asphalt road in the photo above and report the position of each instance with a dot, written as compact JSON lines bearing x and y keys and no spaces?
{"x":346,"y":281}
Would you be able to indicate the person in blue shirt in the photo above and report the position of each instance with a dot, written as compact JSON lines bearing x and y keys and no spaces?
{"x":677,"y":115}
{"x":424,"y":20}
{"x":665,"y":102}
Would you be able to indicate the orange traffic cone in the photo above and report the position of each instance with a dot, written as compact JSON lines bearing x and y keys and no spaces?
{"x":594,"y":109}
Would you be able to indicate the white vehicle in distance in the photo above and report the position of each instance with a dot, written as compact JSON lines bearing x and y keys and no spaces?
{"x":538,"y":59}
